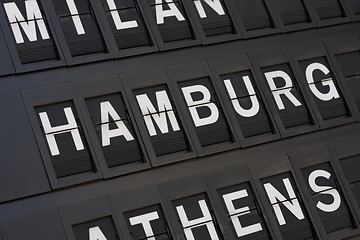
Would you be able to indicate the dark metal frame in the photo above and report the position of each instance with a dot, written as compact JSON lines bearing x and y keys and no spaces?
{"x":154,"y":77}
{"x":229,"y":177}
{"x":9,"y":38}
{"x":270,"y":167}
{"x":192,"y":71}
{"x":235,"y":64}
{"x":137,"y":199}
{"x":337,"y":46}
{"x":90,"y":88}
{"x":310,"y":157}
{"x":307,"y":52}
{"x":338,"y":151}
{"x":86,"y":211}
{"x":277,"y":57}
{"x":55,"y":94}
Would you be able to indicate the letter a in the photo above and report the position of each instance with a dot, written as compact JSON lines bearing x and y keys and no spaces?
{"x":95,"y":233}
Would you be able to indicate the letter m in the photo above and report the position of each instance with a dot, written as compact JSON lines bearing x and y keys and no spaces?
{"x":17,"y":20}
{"x":159,"y":116}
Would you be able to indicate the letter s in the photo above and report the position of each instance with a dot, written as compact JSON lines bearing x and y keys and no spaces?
{"x":324,"y":190}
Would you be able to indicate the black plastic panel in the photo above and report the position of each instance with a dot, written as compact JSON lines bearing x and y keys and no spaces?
{"x":141,"y":214}
{"x":91,"y":219}
{"x":254,"y":14}
{"x":170,"y":138}
{"x":69,"y":151}
{"x":345,"y":155}
{"x":115,"y":130}
{"x":199,"y":106}
{"x":292,"y":12}
{"x":348,"y":165}
{"x":325,"y":83}
{"x":127,"y":24}
{"x":334,"y":215}
{"x":153,"y":215}
{"x":80,"y":27}
{"x":348,"y":63}
{"x":111,"y":126}
{"x":158,"y":117}
{"x":244,"y":100}
{"x":191,"y":209}
{"x":246,"y":211}
{"x":287,"y":96}
{"x":328,"y":9}
{"x":202,"y":108}
{"x":244,"y":96}
{"x":284,"y":92}
{"x":175,"y":27}
{"x":96,"y":229}
{"x":64,"y":144}
{"x":214,"y":19}
{"x":36,"y":43}
{"x":291,"y":226}
{"x":355,"y":6}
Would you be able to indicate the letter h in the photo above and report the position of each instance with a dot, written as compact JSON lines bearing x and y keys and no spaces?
{"x":71,"y":127}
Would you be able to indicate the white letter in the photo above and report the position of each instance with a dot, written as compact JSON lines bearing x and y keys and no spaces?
{"x":161,"y":13}
{"x":95,"y":233}
{"x":75,"y":17}
{"x":205,"y":102}
{"x":148,"y":110}
{"x":116,"y":17}
{"x":240,"y":231}
{"x":214,"y":4}
{"x":275,"y":195}
{"x":33,"y":14}
{"x":144,"y":220}
{"x":52,"y":131}
{"x":286,"y":90}
{"x":324,"y":190}
{"x":206,"y":220}
{"x":107,"y":109}
{"x":254,"y":101}
{"x":333,"y":93}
